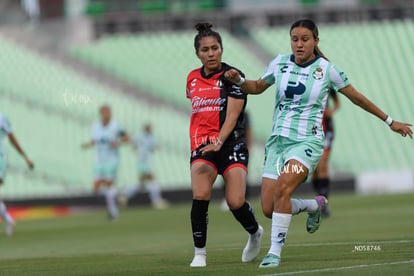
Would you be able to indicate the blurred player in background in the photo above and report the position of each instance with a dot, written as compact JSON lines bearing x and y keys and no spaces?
{"x":107,"y":136}
{"x":218,"y":144}
{"x":144,"y":143}
{"x":6,"y":130}
{"x":320,"y":178}
{"x":295,"y":147}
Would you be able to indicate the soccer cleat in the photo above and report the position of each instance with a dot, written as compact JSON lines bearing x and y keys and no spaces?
{"x":161,"y":204}
{"x":252,"y":248}
{"x":269,"y":261}
{"x":122,"y":200}
{"x":200,"y":260}
{"x":314,"y":220}
{"x":9,"y":228}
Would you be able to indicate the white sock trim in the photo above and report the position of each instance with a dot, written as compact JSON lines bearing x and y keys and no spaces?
{"x":200,"y":251}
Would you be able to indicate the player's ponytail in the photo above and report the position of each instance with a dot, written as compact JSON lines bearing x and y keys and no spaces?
{"x":310,"y":25}
{"x":204,"y":30}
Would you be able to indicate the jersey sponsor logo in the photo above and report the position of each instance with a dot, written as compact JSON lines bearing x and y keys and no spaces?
{"x":317,"y":74}
{"x":207,"y":104}
{"x":283,"y":69}
{"x":197,"y":101}
{"x":294,"y":88}
{"x":193,"y":82}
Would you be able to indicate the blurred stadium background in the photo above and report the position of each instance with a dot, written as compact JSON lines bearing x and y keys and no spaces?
{"x":60,"y":60}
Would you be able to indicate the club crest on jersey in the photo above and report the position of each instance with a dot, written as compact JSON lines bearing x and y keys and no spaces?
{"x":317,"y":74}
{"x":218,"y":83}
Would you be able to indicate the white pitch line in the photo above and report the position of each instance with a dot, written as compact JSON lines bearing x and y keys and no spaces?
{"x":338,"y":268}
{"x":328,"y":244}
{"x":346,"y":243}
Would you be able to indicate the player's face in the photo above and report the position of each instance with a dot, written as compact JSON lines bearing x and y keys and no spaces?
{"x":105,"y":114}
{"x":303,"y":44}
{"x":209,"y":54}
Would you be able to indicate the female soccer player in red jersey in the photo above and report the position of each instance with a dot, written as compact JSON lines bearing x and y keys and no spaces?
{"x":218,"y":144}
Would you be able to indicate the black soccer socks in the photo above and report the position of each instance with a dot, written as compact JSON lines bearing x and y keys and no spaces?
{"x":199,"y":221}
{"x":245,"y":215}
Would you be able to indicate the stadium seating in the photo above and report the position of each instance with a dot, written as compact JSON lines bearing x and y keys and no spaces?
{"x":375,"y":57}
{"x":158,"y":63}
{"x":52,"y":108}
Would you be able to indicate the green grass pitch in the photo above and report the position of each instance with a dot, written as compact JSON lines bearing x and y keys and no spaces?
{"x":366,"y":235}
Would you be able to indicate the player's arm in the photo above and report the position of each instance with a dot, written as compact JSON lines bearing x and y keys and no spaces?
{"x":358,"y":99}
{"x":123,"y":138}
{"x":234,"y":108}
{"x":248,"y":86}
{"x":89,"y":144}
{"x":16,"y":145}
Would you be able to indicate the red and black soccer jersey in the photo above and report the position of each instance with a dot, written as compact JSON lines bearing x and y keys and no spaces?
{"x":209,"y":95}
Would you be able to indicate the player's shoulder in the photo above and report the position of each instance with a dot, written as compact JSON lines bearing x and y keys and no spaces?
{"x":280,"y":60}
{"x":194,"y":74}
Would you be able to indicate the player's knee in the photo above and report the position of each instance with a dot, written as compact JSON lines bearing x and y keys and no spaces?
{"x":235,"y":203}
{"x":201,"y":194}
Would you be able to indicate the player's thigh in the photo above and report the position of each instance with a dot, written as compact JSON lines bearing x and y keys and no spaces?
{"x":235,"y":179}
{"x":203,"y":176}
{"x":111,"y":172}
{"x":267,"y":196}
{"x":301,"y":156}
{"x":293,"y":174}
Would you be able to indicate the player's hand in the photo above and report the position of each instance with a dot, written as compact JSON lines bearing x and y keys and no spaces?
{"x":211,"y":148}
{"x":232,"y":75}
{"x":402,"y":128}
{"x":85,"y":145}
{"x":29,"y":163}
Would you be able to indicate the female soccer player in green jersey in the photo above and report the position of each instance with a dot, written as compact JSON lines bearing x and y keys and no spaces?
{"x":295,"y":147}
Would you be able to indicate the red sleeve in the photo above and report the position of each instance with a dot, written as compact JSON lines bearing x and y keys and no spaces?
{"x":190,"y":78}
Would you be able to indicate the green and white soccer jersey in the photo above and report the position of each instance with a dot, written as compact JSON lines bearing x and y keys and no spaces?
{"x":301,"y":95}
{"x":107,"y":156}
{"x":145,"y":143}
{"x":5,"y":130}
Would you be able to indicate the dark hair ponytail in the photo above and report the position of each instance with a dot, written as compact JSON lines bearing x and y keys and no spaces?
{"x":310,"y":25}
{"x":204,"y":30}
